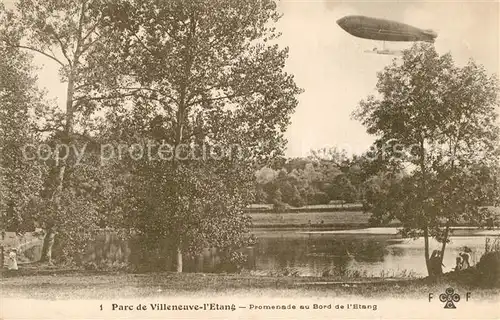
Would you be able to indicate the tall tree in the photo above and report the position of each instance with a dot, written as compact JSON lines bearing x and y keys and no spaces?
{"x":21,"y":171}
{"x":71,"y":35}
{"x":214,"y":81}
{"x":438,"y":121}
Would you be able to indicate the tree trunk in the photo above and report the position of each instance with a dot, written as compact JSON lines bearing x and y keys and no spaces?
{"x":179,"y":259}
{"x":69,"y":106}
{"x":426,"y":251}
{"x":180,"y":116}
{"x":429,"y":261}
{"x":48,"y":243}
{"x":435,"y":262}
{"x":445,"y":239}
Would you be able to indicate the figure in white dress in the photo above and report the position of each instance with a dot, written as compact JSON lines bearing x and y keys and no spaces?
{"x":12,"y":262}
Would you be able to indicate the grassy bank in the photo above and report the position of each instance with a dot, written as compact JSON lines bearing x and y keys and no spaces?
{"x":325,"y":218}
{"x":106,"y":285}
{"x":269,"y":208}
{"x":322,"y":219}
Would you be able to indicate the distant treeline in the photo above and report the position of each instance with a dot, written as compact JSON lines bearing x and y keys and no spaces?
{"x":327,"y":177}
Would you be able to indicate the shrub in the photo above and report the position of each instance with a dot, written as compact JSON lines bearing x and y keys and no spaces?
{"x":320,"y":197}
{"x":232,"y":262}
{"x":280,"y":207}
{"x":489,"y":268}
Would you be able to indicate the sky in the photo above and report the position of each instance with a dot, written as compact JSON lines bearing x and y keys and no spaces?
{"x":335,"y":72}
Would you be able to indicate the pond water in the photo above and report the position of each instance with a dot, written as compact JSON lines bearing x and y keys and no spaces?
{"x":369,"y":252}
{"x":363,"y":252}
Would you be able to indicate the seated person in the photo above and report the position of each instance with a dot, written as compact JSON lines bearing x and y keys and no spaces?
{"x":459,"y":264}
{"x":465,"y":260}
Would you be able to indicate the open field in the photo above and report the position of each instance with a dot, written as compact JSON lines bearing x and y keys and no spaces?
{"x":325,"y":219}
{"x":107,"y":285}
{"x":254,"y":208}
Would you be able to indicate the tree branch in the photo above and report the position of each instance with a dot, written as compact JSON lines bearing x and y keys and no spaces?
{"x":48,"y":128}
{"x":144,"y":46}
{"x":85,"y":47}
{"x":63,"y":49}
{"x":92,"y":29}
{"x":135,"y":93}
{"x":83,"y":86}
{"x":149,"y":89}
{"x":163,"y":102}
{"x":35,"y":50}
{"x":220,"y":98}
{"x":78,"y":100}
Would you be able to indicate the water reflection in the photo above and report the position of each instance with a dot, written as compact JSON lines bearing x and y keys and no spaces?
{"x":312,"y":254}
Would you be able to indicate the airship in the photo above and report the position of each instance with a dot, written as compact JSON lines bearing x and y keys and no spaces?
{"x":384,"y":30}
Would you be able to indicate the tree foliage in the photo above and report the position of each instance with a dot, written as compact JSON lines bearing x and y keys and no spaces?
{"x":73,"y":36}
{"x":20,"y":171}
{"x":214,"y":87}
{"x":439,"y":123}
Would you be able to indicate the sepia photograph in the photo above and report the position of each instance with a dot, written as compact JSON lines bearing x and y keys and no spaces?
{"x":249,"y":159}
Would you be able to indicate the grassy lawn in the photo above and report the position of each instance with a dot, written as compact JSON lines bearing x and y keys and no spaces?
{"x":341,"y":218}
{"x":107,"y":285}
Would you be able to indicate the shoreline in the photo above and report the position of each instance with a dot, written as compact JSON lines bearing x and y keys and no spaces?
{"x":369,"y":230}
{"x":346,"y":221}
{"x":88,"y":285}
